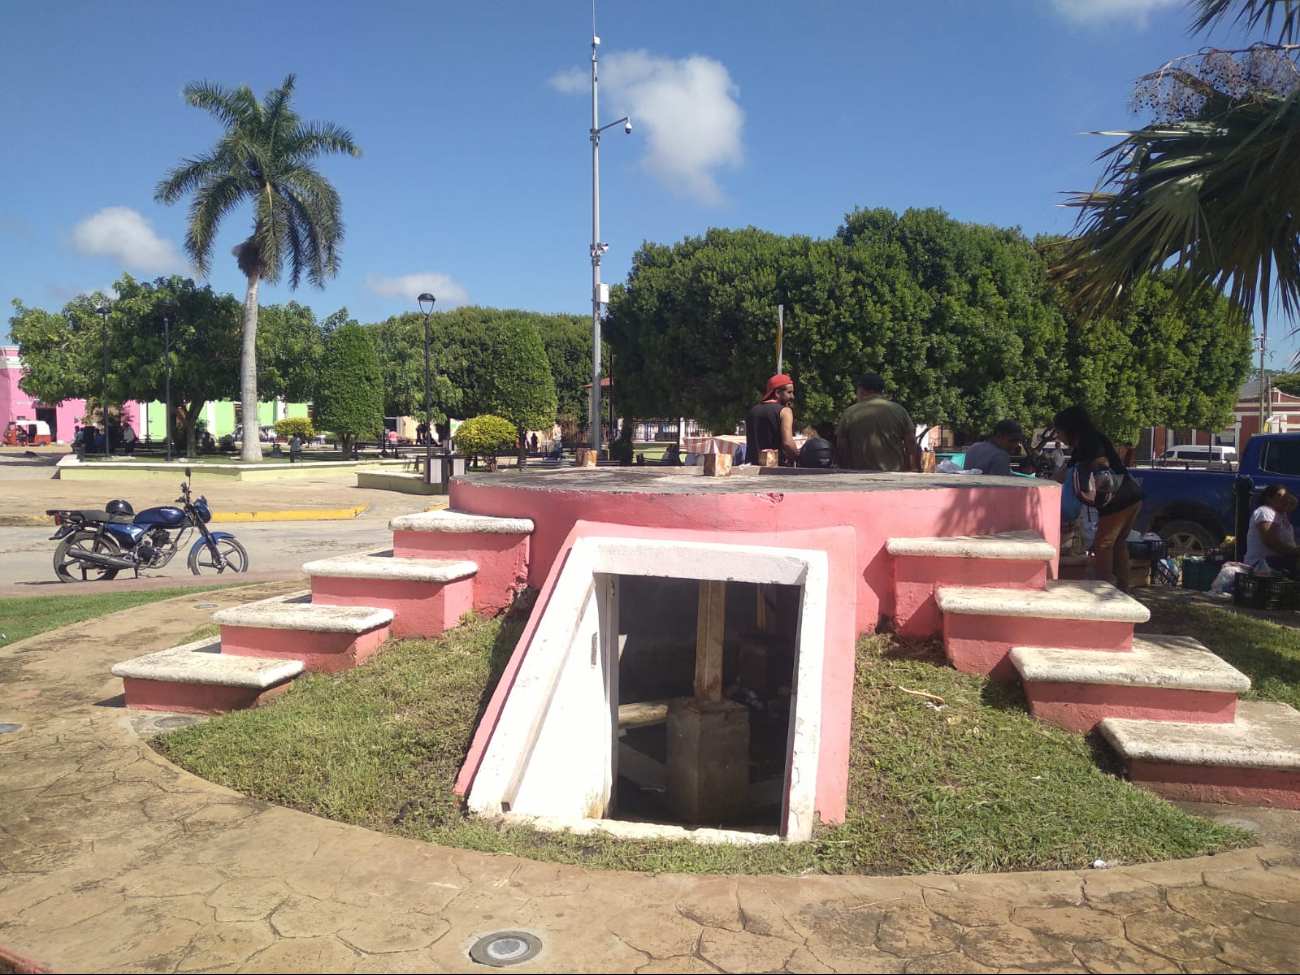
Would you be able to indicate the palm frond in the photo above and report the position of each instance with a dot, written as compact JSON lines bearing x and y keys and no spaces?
{"x":1250,"y":13}
{"x":1218,"y":196}
{"x":212,"y":201}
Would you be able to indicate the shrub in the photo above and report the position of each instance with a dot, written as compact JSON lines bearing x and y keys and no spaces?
{"x":485,"y":436}
{"x":291,"y":425}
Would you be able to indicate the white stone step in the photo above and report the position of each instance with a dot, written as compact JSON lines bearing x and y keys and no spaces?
{"x":1173,"y":662}
{"x":1025,"y":546}
{"x":1091,"y":600}
{"x":461,"y":522}
{"x":382,"y":566}
{"x":296,"y":611}
{"x":1265,"y":735}
{"x":202,"y":662}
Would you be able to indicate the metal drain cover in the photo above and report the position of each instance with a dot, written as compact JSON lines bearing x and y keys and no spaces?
{"x":8,"y":728}
{"x":505,"y":948}
{"x":175,"y":721}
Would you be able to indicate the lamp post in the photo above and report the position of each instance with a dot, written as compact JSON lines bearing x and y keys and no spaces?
{"x":168,"y":309}
{"x":102,"y":311}
{"x":426,"y":305}
{"x":598,"y":249}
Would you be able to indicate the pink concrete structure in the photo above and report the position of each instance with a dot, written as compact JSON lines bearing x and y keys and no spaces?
{"x":420,"y":609}
{"x":1278,"y":788}
{"x":969,"y":558}
{"x":876,"y":507}
{"x":318,"y":650}
{"x":1080,"y":707}
{"x":839,"y":656}
{"x":183,"y":698}
{"x":982,"y":644}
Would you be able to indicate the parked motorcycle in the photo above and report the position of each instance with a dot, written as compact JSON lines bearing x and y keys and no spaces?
{"x":97,"y":545}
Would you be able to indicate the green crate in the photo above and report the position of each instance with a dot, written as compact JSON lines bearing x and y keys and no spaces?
{"x":1199,"y":572}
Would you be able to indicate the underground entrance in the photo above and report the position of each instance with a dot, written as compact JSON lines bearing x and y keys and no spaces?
{"x":666,"y":688}
{"x":705,"y":678}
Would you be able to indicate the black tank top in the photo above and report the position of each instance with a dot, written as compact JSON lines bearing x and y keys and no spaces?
{"x":763,"y":431}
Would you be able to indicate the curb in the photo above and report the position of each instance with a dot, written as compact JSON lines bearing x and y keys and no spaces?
{"x":319,"y":514}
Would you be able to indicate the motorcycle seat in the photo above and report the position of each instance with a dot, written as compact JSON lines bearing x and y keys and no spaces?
{"x":104,"y":516}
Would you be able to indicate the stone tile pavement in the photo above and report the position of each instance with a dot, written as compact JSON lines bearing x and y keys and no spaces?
{"x":113,"y":860}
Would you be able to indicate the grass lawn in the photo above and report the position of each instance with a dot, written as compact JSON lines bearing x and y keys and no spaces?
{"x":975,"y":785}
{"x":30,"y":616}
{"x":1265,"y":651}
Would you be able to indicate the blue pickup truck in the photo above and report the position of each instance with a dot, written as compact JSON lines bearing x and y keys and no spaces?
{"x":1195,"y":509}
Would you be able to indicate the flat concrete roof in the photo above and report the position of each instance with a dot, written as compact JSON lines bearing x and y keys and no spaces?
{"x":742,"y":480}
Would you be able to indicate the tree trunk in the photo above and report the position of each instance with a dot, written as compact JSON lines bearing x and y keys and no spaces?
{"x":252,"y":427}
{"x":191,"y":428}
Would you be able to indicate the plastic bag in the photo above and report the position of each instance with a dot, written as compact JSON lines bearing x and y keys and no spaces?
{"x":1226,"y":581}
{"x":946,"y":466}
{"x":1091,"y":521}
{"x":1095,"y":488}
{"x":1070,"y":506}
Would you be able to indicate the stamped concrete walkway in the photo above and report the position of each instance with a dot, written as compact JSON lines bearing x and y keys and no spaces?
{"x":113,"y":860}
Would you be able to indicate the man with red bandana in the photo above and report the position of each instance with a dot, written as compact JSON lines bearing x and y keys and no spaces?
{"x":770,"y":424}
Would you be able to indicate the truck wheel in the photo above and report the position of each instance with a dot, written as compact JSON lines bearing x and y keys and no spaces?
{"x":1187,"y":538}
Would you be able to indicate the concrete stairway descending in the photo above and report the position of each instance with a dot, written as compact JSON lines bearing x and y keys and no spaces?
{"x":1167,"y":706}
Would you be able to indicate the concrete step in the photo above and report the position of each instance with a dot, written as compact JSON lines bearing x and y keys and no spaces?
{"x":197,"y":678}
{"x":324,"y":637}
{"x":460,"y":523}
{"x":1164,"y":678}
{"x":982,"y":624}
{"x":426,"y":596}
{"x":1253,"y":761}
{"x":1017,"y":560}
{"x":498,"y":546}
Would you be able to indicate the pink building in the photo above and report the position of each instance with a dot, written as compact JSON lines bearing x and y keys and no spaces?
{"x":17,"y":406}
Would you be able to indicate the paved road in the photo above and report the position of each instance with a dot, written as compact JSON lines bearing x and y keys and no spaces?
{"x":26,"y":554}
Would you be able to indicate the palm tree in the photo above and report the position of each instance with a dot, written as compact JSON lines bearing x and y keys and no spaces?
{"x":1212,"y":186}
{"x":264,"y":159}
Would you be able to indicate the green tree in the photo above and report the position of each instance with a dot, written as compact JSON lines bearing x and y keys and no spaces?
{"x":289,"y":347}
{"x":485,"y":436}
{"x":399,"y":342}
{"x":1209,"y":185}
{"x":349,"y":395}
{"x":264,"y":158}
{"x":62,"y":353}
{"x":518,"y":384}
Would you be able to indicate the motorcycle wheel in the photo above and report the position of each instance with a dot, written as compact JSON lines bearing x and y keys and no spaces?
{"x":69,"y":569}
{"x":203,"y":562}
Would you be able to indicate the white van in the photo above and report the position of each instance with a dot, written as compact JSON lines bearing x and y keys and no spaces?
{"x":1200,"y":456}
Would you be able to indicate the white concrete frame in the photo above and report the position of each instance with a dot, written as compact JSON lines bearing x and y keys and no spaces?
{"x":551,"y":757}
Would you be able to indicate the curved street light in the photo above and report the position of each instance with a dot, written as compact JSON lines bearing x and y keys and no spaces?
{"x":426,"y":301}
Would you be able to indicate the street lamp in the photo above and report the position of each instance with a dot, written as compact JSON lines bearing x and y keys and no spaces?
{"x":426,"y":305}
{"x":168,"y":309}
{"x":102,"y":311}
{"x":598,"y":249}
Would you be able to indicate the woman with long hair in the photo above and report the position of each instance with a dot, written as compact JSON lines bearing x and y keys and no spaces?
{"x":1092,"y":452}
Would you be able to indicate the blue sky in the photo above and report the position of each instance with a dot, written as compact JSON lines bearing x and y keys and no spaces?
{"x":475,"y":180}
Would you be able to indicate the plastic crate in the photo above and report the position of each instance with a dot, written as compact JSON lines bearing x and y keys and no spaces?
{"x":1266,"y":592}
{"x":1152,"y":549}
{"x":1199,"y":573}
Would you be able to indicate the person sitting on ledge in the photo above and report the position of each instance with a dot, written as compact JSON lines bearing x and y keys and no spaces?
{"x":1271,"y":537}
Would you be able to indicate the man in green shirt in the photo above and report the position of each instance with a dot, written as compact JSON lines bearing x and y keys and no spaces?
{"x":875,"y":434}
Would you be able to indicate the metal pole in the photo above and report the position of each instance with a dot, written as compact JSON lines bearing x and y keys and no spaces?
{"x":167,"y":358}
{"x":593,"y":402}
{"x":103,"y":315}
{"x":428,"y":409}
{"x":780,"y":337}
{"x":1263,"y":382}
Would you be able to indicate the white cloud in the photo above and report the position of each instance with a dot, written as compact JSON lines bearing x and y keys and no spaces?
{"x":685,"y":108}
{"x":449,"y":292}
{"x":128,"y":238}
{"x":1100,"y":11}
